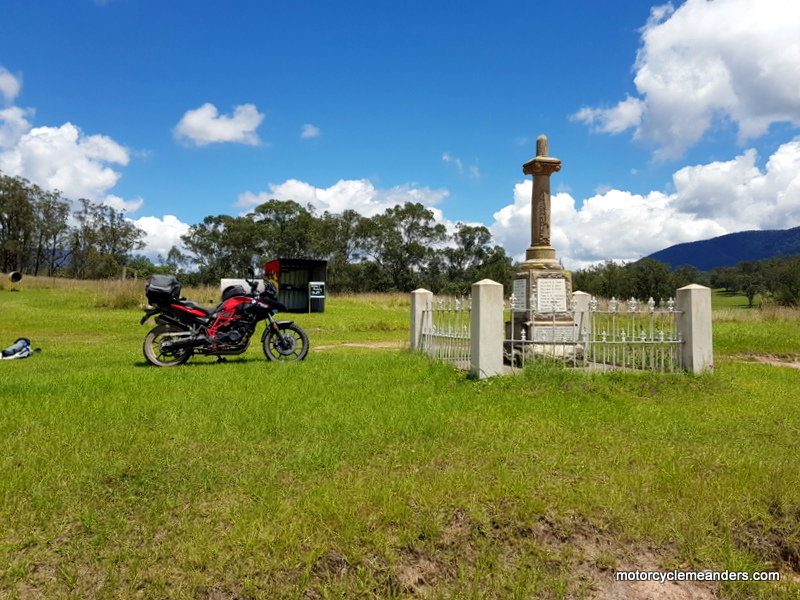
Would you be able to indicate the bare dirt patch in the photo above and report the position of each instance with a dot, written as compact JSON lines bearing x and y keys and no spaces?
{"x":776,"y":360}
{"x":597,"y":556}
{"x":592,"y":556}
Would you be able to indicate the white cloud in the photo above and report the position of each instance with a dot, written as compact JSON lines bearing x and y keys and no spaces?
{"x":122,"y":205}
{"x":624,"y":115}
{"x":709,"y":200}
{"x":309,"y":131}
{"x":13,"y":125}
{"x":359,"y":195}
{"x":706,"y":63}
{"x":9,"y":85}
{"x":473,"y":170}
{"x":204,"y":125}
{"x":65,"y":159}
{"x":59,"y":158}
{"x":456,"y":161}
{"x":161,"y":234}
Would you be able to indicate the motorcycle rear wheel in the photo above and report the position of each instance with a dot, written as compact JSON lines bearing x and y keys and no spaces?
{"x":158,"y":357}
{"x":289,"y":343}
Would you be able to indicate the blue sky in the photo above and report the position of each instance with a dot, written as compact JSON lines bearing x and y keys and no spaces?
{"x":674,"y":122}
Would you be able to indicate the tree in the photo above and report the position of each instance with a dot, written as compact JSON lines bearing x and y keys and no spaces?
{"x":471,"y":259}
{"x":650,"y":278}
{"x":223,"y":246}
{"x":16,"y":223}
{"x":288,"y":230}
{"x":401,"y":242}
{"x":52,"y":230}
{"x":785,"y":283}
{"x":338,"y":244}
{"x":686,"y":275}
{"x":102,"y":241}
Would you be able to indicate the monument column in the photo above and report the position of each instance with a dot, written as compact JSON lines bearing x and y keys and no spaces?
{"x":542,"y":290}
{"x":541,"y":255}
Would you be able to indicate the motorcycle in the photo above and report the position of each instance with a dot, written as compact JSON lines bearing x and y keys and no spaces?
{"x":185,"y":327}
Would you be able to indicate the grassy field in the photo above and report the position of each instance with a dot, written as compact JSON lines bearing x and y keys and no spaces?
{"x":370,"y":472}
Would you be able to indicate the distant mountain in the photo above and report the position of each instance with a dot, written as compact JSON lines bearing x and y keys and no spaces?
{"x":731,"y":249}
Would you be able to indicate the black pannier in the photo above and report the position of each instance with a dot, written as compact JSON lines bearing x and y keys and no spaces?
{"x":162,"y":289}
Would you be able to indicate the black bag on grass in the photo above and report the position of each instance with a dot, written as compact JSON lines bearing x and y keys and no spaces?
{"x":19,"y":349}
{"x":162,"y":289}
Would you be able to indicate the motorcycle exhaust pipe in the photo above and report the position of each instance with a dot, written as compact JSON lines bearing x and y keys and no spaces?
{"x":182,"y":342}
{"x":15,"y":276}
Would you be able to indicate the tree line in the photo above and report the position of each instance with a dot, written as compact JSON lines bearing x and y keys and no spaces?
{"x":41,"y":235}
{"x":398,"y":250}
{"x":774,"y":279}
{"x":644,"y":279}
{"x":401,"y":249}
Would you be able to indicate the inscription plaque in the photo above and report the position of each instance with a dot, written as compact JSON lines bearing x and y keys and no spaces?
{"x":520,"y":295}
{"x":551,"y":295}
{"x":553,"y":334}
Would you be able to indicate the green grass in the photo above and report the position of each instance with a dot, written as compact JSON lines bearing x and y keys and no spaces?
{"x":376,"y":473}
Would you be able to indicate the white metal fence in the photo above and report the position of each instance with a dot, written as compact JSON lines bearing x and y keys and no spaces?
{"x":470,"y":332}
{"x":633,"y":335}
{"x":445,"y":330}
{"x":604,"y":334}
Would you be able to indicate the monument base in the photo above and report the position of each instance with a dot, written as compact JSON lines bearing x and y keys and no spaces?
{"x":543,"y":306}
{"x":541,"y":258}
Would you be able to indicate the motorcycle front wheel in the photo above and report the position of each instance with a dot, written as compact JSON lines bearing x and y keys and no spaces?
{"x":288,"y":344}
{"x":164,"y":358}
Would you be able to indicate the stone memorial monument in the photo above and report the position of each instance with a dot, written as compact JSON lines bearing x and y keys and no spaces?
{"x":542,"y":291}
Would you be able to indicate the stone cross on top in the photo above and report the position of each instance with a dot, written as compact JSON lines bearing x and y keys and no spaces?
{"x":541,"y":255}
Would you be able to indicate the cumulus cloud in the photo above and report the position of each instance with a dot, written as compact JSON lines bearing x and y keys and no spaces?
{"x":13,"y":124}
{"x":309,"y":131}
{"x":59,"y":158}
{"x":706,"y":63}
{"x":709,"y":200}
{"x":204,"y":125}
{"x":359,"y":195}
{"x":63,"y":158}
{"x":161,"y":234}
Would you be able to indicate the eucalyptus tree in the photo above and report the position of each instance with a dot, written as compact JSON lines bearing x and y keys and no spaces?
{"x":52,"y":230}
{"x":287,"y":230}
{"x":223,"y":246}
{"x":101,"y":241}
{"x":401,"y":241}
{"x":16,"y":223}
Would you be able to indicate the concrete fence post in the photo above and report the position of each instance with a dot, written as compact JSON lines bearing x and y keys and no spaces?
{"x":421,"y":300}
{"x":694,"y":326}
{"x":487,"y":329}
{"x":580,"y":315}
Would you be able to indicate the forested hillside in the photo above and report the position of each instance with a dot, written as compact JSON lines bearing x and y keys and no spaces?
{"x":731,"y":249}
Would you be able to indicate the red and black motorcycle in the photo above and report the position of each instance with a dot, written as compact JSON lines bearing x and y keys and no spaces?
{"x":185,"y":328}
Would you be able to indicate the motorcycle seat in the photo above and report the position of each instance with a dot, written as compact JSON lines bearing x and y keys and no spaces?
{"x":196,"y":306}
